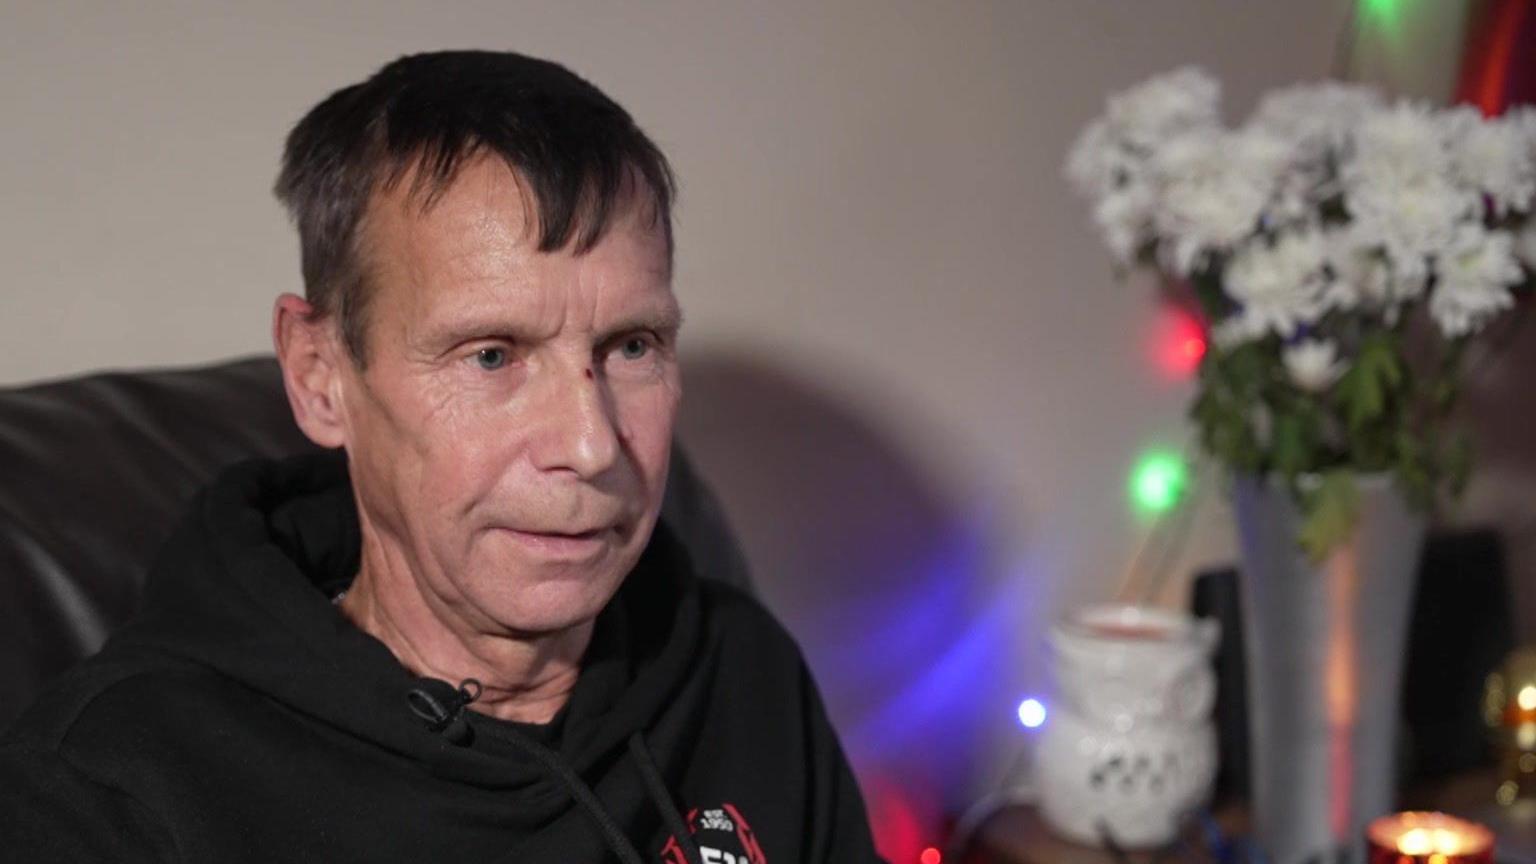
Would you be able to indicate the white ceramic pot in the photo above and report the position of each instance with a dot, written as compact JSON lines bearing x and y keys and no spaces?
{"x":1129,"y":749}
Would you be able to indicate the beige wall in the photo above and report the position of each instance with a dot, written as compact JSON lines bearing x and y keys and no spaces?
{"x":877,"y":252}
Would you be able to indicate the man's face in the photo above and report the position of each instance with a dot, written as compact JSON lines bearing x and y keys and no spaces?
{"x":509,"y":439}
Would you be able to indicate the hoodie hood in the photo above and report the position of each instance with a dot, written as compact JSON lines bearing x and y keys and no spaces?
{"x":245,"y":585}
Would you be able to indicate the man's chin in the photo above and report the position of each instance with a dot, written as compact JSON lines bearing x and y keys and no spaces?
{"x":549,"y":607}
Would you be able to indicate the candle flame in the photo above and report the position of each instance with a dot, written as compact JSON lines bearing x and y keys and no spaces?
{"x":1435,"y":838}
{"x":1429,"y":841}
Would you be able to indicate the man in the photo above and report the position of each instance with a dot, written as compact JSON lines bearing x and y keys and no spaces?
{"x":459,"y":634}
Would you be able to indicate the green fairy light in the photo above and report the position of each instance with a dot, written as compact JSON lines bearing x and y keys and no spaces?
{"x":1158,"y":481}
{"x":1383,"y":10}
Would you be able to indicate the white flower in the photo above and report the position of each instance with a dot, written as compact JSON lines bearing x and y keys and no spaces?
{"x":1495,"y":156}
{"x":1114,"y":178}
{"x":1473,"y":280}
{"x":1399,"y":188}
{"x":1316,"y":118}
{"x":1124,"y":218}
{"x":1313,"y":364}
{"x":1363,"y":278}
{"x":1278,"y":286}
{"x":1163,"y":106}
{"x":1211,"y":188}
{"x":1229,"y":334}
{"x":1315,"y":121}
{"x":1299,"y":190}
{"x":1095,"y":162}
{"x":1109,"y":162}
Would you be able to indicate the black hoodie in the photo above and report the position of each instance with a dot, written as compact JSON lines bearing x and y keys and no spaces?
{"x":241,"y":718}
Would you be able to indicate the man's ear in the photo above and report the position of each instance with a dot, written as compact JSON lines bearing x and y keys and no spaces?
{"x":311,"y":356}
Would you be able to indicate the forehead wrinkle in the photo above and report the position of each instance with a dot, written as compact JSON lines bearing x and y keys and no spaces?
{"x":484,"y":249}
{"x":479,"y":232}
{"x":644,"y":293}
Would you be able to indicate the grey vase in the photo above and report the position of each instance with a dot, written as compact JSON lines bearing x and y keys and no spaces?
{"x":1325,"y":648}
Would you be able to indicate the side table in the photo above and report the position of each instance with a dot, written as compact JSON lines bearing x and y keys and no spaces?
{"x":1017,"y":835}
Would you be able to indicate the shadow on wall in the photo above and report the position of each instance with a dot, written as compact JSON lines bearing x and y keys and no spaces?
{"x":881,"y":580}
{"x":1501,"y":415}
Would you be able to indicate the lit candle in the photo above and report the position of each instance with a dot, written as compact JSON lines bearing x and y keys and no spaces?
{"x":1428,"y":838}
{"x":1522,"y":708}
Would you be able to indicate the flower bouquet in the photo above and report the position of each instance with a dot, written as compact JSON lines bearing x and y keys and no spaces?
{"x":1341,"y":251}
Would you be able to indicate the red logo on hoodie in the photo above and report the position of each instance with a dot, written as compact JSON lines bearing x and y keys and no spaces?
{"x":722,"y":835}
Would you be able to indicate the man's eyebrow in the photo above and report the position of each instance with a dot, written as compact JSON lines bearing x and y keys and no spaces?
{"x":454,"y":331}
{"x":666,"y":321}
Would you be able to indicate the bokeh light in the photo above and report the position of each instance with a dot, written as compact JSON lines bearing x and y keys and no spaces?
{"x":1032,"y":713}
{"x":1178,"y":343}
{"x":1382,"y":10}
{"x":1158,"y":481}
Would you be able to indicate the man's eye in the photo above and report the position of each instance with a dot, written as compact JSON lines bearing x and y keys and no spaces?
{"x":634,"y":348}
{"x":491,"y":359}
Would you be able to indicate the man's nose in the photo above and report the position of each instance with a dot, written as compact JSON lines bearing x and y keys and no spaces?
{"x":578,"y":431}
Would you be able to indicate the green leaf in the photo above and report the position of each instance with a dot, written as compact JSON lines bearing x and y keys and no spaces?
{"x":1329,"y":513}
{"x":1223,"y":409}
{"x":1295,"y":437}
{"x":1375,"y":375}
{"x":1247,"y":369}
{"x":1413,"y":468}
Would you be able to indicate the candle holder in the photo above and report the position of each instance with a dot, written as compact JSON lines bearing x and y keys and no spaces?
{"x":1427,"y":838}
{"x":1130,"y":748}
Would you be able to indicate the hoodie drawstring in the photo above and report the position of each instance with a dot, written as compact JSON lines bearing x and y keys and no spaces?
{"x":446,"y":717}
{"x":584,"y":796}
{"x":663,"y":801}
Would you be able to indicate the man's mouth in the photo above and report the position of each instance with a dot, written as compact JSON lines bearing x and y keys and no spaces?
{"x":566,"y":545}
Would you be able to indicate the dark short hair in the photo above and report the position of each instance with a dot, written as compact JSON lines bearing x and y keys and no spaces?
{"x":573,"y":149}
